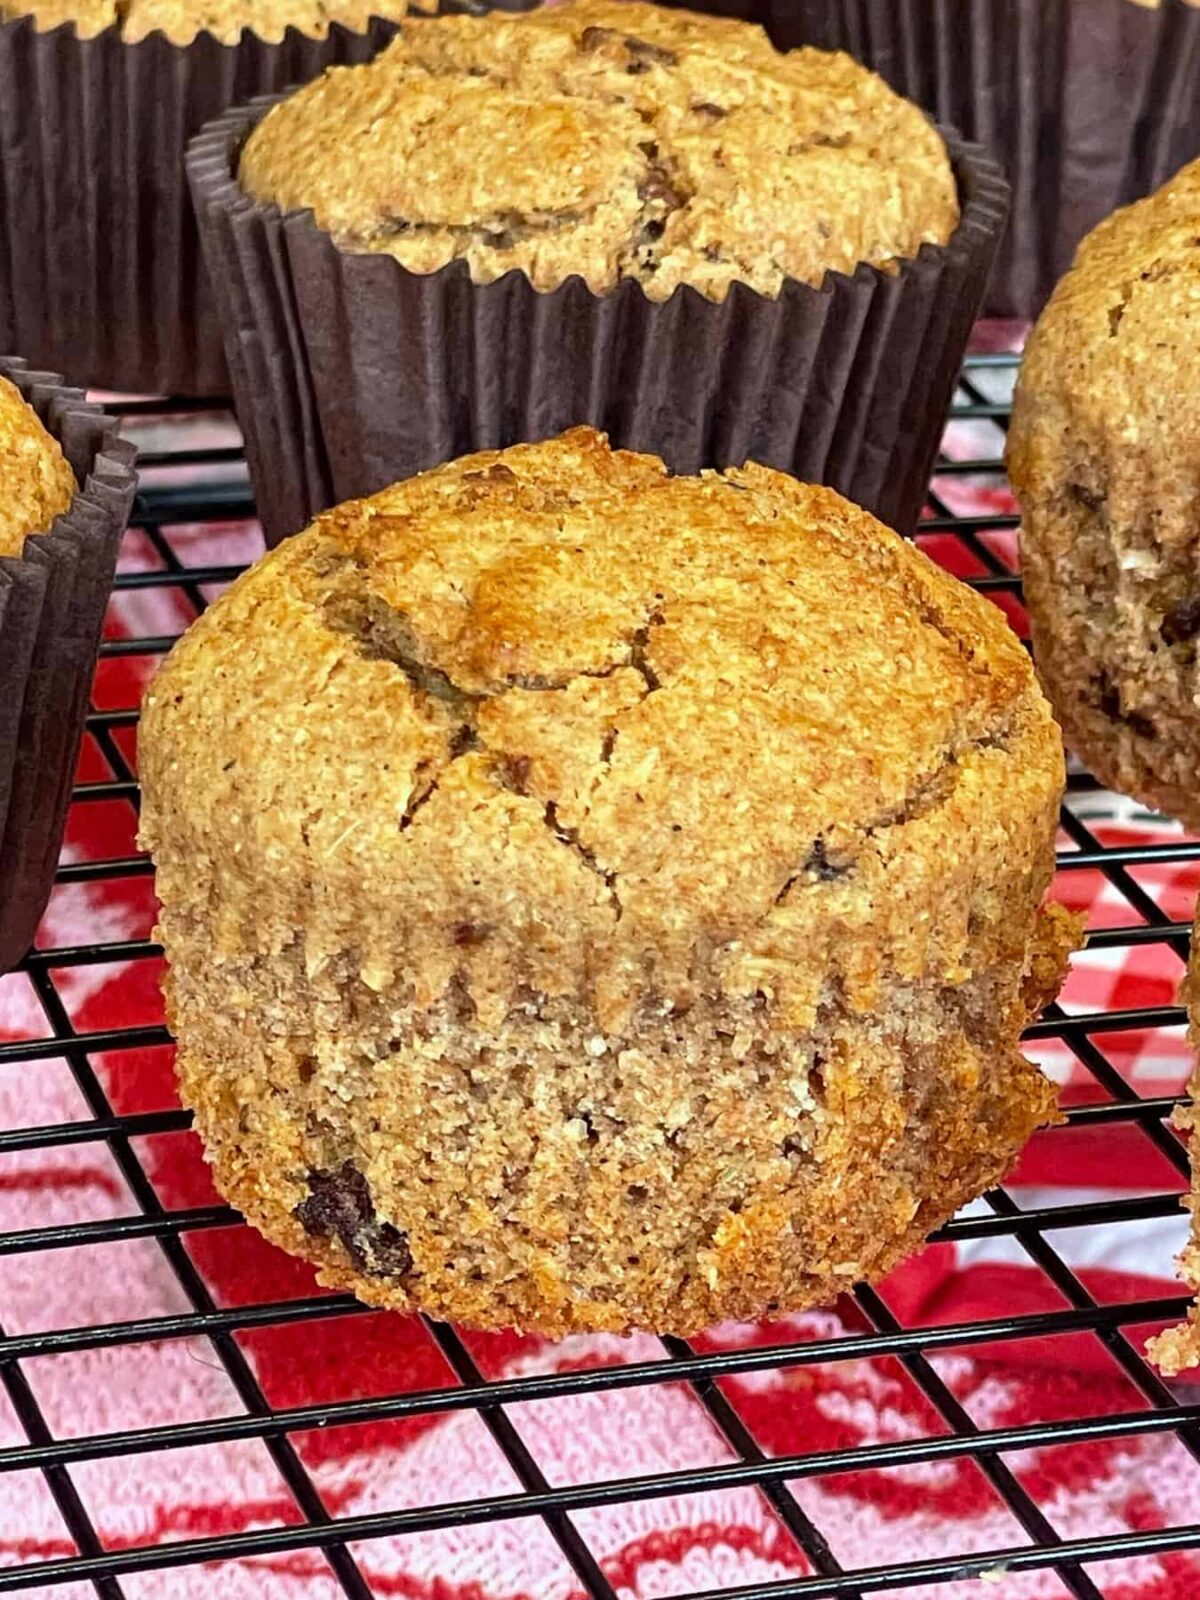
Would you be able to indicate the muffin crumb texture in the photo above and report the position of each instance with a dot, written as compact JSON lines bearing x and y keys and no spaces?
{"x":36,"y":484}
{"x":1105,"y":458}
{"x":182,"y":20}
{"x":600,"y":899}
{"x":610,"y":140}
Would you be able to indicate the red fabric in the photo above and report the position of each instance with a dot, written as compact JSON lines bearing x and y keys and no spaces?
{"x":672,"y":1545}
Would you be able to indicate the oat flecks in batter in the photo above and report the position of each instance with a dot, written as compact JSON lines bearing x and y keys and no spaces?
{"x":36,"y":484}
{"x":1105,"y":458}
{"x":598,"y":899}
{"x":611,"y":139}
{"x":182,"y":20}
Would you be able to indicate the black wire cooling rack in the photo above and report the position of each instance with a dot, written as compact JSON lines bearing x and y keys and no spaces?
{"x":185,"y":486}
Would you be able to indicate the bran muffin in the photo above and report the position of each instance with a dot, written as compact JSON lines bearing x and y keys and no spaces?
{"x":36,"y":484}
{"x":104,"y":278}
{"x":1104,"y":459}
{"x":601,"y":213}
{"x":1087,"y":105}
{"x":596,"y":898}
{"x":609,"y":138}
{"x":66,"y":485}
{"x":1177,"y":1349}
{"x":181,"y":21}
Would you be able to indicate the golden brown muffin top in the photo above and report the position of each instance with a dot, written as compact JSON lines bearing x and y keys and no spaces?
{"x":611,"y":139}
{"x":36,"y":484}
{"x":1110,"y":384}
{"x":550,"y":718}
{"x":182,"y":20}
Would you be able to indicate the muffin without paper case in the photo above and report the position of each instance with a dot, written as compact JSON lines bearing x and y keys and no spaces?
{"x":104,"y":279}
{"x":600,"y":899}
{"x":66,"y":484}
{"x":599,"y":212}
{"x":1105,"y":457}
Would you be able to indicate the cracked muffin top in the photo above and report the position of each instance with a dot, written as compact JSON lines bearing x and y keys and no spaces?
{"x":36,"y":484}
{"x":549,"y":719}
{"x":1111,"y":375}
{"x":609,"y":139}
{"x":182,"y":20}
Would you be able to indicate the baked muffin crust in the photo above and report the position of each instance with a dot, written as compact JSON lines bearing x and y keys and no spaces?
{"x":596,"y":898}
{"x":182,"y":20}
{"x":36,"y":484}
{"x":611,"y":139}
{"x":1104,"y":456}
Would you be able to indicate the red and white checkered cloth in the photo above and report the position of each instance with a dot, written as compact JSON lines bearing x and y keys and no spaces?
{"x":652,"y":1548}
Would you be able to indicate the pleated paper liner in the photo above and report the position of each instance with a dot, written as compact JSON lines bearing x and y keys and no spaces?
{"x":52,"y":600}
{"x":1086,"y":104}
{"x":101,"y":275}
{"x":350,"y":372}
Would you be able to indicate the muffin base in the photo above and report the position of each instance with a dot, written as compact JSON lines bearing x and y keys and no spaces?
{"x":52,"y":600}
{"x":351,"y":373}
{"x":536,"y":1176}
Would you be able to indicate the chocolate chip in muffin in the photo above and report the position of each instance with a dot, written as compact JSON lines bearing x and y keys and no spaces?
{"x":1090,"y":499}
{"x":339,"y":1206}
{"x":1182,"y":622}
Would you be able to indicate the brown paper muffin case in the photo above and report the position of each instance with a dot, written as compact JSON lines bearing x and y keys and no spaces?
{"x":52,"y":600}
{"x":1086,"y":104}
{"x":351,"y":372}
{"x":100,"y":268}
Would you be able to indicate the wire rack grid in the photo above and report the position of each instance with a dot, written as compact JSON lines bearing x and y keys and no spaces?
{"x":181,"y":551}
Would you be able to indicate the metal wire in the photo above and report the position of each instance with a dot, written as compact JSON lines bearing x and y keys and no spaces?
{"x":217,"y":492}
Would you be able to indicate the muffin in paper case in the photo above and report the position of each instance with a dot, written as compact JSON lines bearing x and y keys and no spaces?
{"x":350,"y":371}
{"x":52,"y":601}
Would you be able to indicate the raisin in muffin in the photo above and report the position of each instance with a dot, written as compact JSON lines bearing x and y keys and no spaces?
{"x":611,"y":139}
{"x":1178,"y":1348}
{"x":596,"y":898}
{"x":1104,"y":459}
{"x":36,"y":484}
